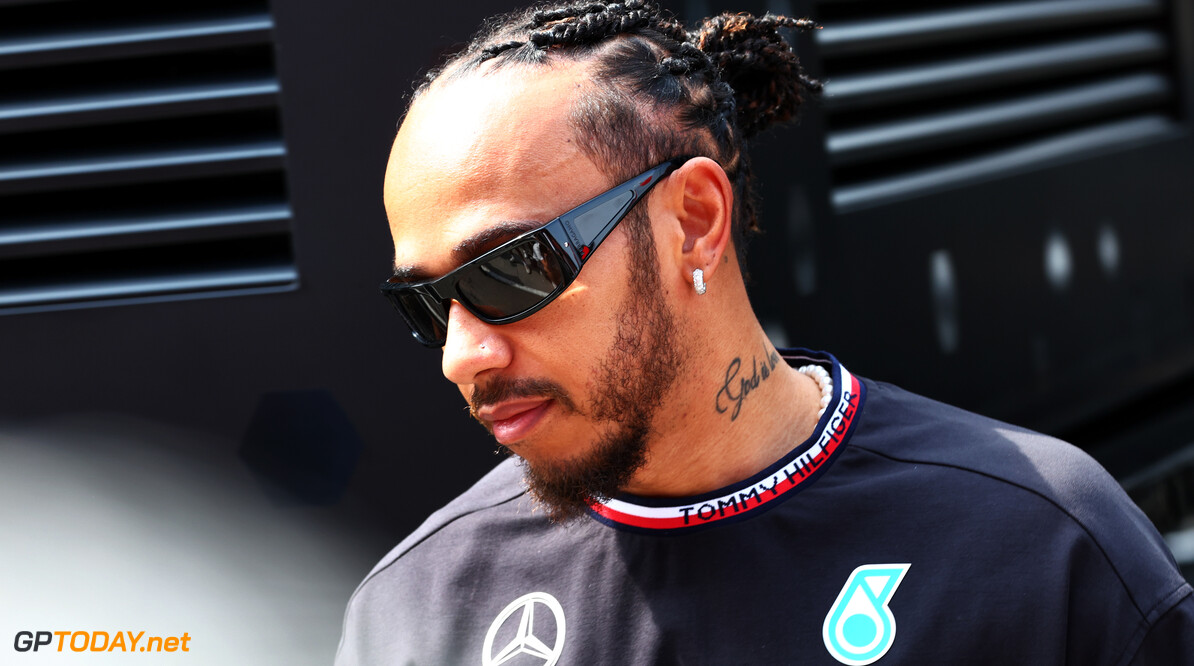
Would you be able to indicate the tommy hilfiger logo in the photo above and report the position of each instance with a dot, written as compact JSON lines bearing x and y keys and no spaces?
{"x":860,"y":628}
{"x":784,"y":480}
{"x":537,"y":633}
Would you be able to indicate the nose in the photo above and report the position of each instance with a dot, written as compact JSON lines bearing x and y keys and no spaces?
{"x":472,"y":347}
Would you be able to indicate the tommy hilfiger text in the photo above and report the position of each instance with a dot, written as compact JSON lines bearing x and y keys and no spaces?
{"x":787,"y":477}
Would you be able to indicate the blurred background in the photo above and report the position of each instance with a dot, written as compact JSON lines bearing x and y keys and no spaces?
{"x":210,"y":421}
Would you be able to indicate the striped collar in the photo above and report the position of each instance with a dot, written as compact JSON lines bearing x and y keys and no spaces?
{"x":794,"y":472}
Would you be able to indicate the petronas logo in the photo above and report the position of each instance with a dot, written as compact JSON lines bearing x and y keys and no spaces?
{"x":860,"y":628}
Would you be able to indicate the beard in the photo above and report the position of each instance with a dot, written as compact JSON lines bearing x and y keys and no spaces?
{"x":639,"y":368}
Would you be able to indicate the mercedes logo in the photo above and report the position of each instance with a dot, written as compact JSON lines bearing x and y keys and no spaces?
{"x":540,"y":640}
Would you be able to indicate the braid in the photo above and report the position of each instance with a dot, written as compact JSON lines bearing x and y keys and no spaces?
{"x":494,"y":50}
{"x":662,"y":91}
{"x":545,"y":16}
{"x":758,"y":63}
{"x":578,"y":25}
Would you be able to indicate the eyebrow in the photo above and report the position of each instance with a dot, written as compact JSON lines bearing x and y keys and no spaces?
{"x":472,"y":247}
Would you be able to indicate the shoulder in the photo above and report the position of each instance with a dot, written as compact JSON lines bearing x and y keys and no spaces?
{"x":978,"y":461}
{"x":503,"y":484}
{"x":905,"y":427}
{"x":416,"y":581}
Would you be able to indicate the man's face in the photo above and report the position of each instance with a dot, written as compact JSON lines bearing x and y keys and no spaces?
{"x":573,"y":389}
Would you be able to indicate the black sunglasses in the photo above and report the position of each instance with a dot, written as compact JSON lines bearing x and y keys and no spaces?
{"x":521,"y":276}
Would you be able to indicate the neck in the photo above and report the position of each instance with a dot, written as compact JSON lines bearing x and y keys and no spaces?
{"x":737,"y":409}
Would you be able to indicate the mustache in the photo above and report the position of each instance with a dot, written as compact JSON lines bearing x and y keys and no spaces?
{"x":500,"y":389}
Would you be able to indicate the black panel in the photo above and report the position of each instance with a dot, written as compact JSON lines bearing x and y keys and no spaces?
{"x":111,"y":117}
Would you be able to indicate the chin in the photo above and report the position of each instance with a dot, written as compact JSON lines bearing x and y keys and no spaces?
{"x":565,"y":486}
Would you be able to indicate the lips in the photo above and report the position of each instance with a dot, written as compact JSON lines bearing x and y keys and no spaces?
{"x":513,"y":420}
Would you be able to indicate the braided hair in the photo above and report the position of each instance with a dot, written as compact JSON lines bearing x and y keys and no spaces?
{"x":661,"y":91}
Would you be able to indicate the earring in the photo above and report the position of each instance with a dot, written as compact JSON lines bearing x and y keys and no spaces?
{"x":698,"y":280}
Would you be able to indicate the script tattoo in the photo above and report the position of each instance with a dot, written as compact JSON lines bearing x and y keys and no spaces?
{"x":736,"y":388}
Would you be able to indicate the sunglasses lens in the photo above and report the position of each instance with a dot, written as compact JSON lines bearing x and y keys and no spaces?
{"x":516,"y":280}
{"x":425,"y":315}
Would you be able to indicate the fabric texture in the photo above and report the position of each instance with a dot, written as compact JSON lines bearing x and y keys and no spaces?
{"x":967,"y":540}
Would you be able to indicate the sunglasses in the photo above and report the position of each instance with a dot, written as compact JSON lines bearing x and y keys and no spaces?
{"x":518,"y":278}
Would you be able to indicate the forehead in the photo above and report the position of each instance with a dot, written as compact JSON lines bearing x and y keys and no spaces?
{"x":484,"y":151}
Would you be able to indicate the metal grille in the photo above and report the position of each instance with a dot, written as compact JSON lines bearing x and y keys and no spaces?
{"x":930,"y":95}
{"x":141,"y":155}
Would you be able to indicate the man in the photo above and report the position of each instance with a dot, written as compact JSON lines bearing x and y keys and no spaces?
{"x":569,"y":198}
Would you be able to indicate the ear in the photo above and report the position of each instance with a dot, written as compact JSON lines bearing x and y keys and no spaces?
{"x":702,"y":201}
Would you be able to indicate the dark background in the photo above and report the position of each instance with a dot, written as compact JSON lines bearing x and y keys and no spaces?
{"x":992,"y":205}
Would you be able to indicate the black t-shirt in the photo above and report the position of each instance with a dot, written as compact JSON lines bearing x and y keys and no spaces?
{"x":903,"y":531}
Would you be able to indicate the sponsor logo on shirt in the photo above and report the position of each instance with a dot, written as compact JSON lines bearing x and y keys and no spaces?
{"x":532,"y":624}
{"x":860,"y":627}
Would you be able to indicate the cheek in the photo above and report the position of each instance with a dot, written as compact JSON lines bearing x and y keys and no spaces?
{"x":568,"y":340}
{"x":585,"y":315}
{"x":573,"y":335}
{"x":574,"y":330}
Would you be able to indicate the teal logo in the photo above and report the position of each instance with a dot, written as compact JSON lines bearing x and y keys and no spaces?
{"x":860,"y":627}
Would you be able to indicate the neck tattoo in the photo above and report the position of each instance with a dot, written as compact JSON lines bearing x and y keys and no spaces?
{"x":739,"y":385}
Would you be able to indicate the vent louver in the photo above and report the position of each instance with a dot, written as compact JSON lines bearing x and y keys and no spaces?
{"x":141,"y":155}
{"x":929,"y":95}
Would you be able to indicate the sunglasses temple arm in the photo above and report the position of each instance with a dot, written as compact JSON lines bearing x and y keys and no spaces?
{"x":609,"y":208}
